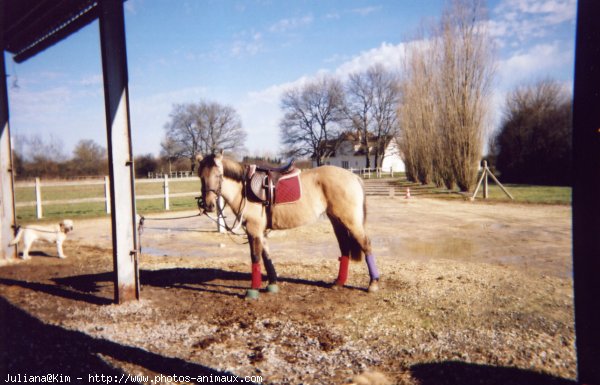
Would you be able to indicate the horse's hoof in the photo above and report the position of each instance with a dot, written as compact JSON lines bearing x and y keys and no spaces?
{"x":272,"y":288}
{"x":373,"y":286}
{"x":252,"y":294}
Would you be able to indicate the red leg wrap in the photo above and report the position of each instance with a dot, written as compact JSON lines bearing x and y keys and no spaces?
{"x":343,"y":274}
{"x":256,"y":276}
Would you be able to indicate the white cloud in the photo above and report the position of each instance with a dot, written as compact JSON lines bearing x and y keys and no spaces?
{"x":91,"y":80}
{"x":35,"y":107}
{"x":389,"y":55}
{"x":150,"y":113}
{"x":532,"y":64}
{"x":287,"y":24}
{"x":526,"y":19}
{"x":132,"y":6}
{"x":365,"y":11}
{"x":247,"y":43}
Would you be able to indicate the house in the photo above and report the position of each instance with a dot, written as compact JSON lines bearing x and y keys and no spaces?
{"x":348,"y":152}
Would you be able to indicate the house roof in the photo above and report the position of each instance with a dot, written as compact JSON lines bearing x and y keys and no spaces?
{"x":31,"y":26}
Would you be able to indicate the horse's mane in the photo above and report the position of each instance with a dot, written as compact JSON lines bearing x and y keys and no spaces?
{"x":233,"y":170}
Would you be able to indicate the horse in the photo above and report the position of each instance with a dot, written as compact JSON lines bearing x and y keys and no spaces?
{"x":329,"y":190}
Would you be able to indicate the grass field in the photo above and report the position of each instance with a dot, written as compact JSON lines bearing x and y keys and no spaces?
{"x":521,"y":193}
{"x":96,"y":209}
{"x":530,"y":194}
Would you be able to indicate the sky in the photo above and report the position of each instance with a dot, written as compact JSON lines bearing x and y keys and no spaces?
{"x":244,"y":54}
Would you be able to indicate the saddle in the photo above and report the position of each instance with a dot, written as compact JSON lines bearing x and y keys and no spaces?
{"x":273,"y":186}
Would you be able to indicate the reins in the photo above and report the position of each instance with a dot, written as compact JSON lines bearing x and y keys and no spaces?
{"x":169,"y":218}
{"x":237,"y":223}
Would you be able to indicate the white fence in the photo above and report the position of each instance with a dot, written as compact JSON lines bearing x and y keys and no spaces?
{"x":366,"y":172}
{"x":173,"y":174}
{"x":39,"y":202}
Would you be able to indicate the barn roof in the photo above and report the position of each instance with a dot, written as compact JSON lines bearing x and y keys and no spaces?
{"x":31,"y":26}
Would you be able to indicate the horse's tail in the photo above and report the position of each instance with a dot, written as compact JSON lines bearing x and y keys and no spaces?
{"x":17,"y":237}
{"x":356,"y":252}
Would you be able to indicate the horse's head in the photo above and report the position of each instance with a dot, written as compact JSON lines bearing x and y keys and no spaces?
{"x":210,"y":171}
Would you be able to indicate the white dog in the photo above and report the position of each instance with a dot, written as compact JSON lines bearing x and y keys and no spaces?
{"x":51,"y":234}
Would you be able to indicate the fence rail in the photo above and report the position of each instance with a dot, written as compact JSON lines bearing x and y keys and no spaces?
{"x":378,"y":172}
{"x":39,"y":203}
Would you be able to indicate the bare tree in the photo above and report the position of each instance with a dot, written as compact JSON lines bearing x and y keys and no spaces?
{"x":386,"y":92}
{"x":359,"y":108}
{"x":371,"y":108}
{"x":203,"y":128}
{"x":312,"y":114}
{"x":465,"y":86}
{"x":221,"y":128}
{"x":457,"y":63}
{"x":89,"y":158}
{"x":40,"y":157}
{"x":418,"y":138}
{"x":170,"y":151}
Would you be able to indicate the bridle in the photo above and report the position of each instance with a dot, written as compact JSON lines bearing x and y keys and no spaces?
{"x":201,"y":201}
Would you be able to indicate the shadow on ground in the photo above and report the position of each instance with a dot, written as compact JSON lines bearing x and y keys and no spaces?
{"x":33,"y":348}
{"x":462,"y":373}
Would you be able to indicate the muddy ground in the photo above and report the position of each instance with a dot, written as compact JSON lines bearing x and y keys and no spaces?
{"x":472,"y":293}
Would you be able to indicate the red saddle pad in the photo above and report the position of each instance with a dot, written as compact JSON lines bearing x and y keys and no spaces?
{"x":288,"y":189}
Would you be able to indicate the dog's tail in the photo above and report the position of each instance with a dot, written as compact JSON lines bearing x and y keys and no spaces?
{"x":17,"y":237}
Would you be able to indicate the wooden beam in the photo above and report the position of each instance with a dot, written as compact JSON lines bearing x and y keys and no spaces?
{"x":7,"y":194}
{"x":121,"y":170}
{"x":586,"y":192}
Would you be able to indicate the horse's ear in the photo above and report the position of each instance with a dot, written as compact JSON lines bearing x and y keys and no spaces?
{"x":219,"y":154}
{"x":219,"y":160}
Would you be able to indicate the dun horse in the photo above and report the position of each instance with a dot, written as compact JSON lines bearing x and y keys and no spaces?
{"x":327,"y":189}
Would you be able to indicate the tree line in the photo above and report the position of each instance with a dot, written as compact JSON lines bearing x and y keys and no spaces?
{"x":36,"y":156}
{"x":533,"y":143}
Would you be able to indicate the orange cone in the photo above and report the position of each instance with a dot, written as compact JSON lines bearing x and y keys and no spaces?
{"x":407,"y":196}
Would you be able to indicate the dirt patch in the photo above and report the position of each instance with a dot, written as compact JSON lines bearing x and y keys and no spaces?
{"x":470,"y":292}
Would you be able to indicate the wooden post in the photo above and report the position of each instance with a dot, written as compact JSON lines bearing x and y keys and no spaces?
{"x":500,"y":185}
{"x":122,"y":187}
{"x":8,"y":217}
{"x":38,"y":199}
{"x":485,"y":180}
{"x":107,"y":194}
{"x":220,"y":218}
{"x":166,"y":192}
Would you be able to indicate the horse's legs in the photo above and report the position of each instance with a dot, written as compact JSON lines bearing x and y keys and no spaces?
{"x":271,"y":273}
{"x":360,"y":236}
{"x":255,"y":253}
{"x":343,"y":238}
